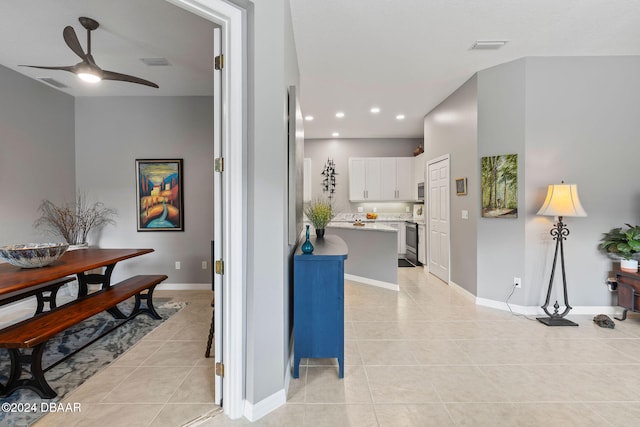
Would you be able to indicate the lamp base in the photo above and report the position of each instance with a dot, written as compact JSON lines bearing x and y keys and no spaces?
{"x":556,"y":321}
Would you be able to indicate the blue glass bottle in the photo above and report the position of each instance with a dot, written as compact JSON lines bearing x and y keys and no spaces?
{"x":307,"y":247}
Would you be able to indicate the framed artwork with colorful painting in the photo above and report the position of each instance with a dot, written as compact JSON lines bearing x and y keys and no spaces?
{"x":160,"y":204}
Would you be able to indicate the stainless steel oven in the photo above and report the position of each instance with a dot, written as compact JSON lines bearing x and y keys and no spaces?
{"x":411,"y":229}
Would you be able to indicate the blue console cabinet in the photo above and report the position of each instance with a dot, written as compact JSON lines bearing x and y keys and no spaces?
{"x":318,"y":302}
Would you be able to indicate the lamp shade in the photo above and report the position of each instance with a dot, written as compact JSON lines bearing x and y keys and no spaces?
{"x":562,"y":200}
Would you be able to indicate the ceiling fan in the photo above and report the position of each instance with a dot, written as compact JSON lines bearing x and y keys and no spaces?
{"x":88,"y":70}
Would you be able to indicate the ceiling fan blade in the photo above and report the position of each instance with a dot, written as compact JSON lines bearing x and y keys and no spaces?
{"x":111,"y":75}
{"x":72,"y":41}
{"x":69,"y":68}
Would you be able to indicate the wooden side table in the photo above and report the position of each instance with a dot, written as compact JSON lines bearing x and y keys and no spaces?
{"x":318,"y":302}
{"x":628,"y":292}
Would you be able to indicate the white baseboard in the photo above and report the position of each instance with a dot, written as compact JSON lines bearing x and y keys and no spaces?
{"x":537,"y":311}
{"x":378,"y":283}
{"x":531,"y":310}
{"x":462,"y":291}
{"x":255,"y":411}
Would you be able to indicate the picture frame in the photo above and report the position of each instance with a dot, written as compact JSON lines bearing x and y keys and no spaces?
{"x":461,"y":186}
{"x":159,"y":195}
{"x":499,"y":185}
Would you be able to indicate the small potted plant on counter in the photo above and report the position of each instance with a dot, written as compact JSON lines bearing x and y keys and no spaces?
{"x":74,"y":222}
{"x":320,"y":213}
{"x":624,"y":246}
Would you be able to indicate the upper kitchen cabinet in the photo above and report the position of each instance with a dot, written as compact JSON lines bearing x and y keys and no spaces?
{"x":364,"y":178}
{"x":306,"y":187}
{"x":380,"y":179}
{"x":397,"y":178}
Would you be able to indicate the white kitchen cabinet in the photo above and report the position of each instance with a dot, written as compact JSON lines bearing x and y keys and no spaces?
{"x":404,"y":178}
{"x":402,"y":236}
{"x":381,"y":179}
{"x":306,"y":189}
{"x":364,"y":178}
{"x":422,"y":244}
{"x":397,"y":178}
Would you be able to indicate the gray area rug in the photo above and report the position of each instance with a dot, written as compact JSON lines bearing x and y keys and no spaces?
{"x":24,"y":406}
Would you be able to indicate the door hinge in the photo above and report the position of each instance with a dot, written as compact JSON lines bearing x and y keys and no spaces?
{"x":218,"y":62}
{"x":220,"y":369}
{"x":218,"y":164}
{"x":219,"y":266}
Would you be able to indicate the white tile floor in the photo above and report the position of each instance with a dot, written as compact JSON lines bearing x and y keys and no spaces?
{"x":427,"y":356}
{"x":424,"y":356}
{"x":164,"y":380}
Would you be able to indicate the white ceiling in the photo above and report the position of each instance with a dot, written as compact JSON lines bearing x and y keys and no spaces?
{"x":31,"y":34}
{"x":407,"y":56}
{"x":404,"y":56}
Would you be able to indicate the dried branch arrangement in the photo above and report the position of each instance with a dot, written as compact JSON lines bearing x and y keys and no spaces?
{"x":74,"y":222}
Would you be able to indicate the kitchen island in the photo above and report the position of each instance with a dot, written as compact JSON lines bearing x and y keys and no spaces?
{"x":373,"y":254}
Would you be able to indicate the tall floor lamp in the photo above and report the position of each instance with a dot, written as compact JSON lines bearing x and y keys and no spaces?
{"x":562,"y":200}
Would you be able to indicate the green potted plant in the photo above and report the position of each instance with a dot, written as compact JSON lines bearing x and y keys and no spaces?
{"x":320,"y":212}
{"x":623,"y":245}
{"x":74,"y":222}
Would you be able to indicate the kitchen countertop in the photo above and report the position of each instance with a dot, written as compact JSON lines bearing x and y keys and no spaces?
{"x":368,"y":226}
{"x":382,"y":217}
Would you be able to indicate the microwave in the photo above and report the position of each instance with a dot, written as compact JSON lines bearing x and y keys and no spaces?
{"x":421,"y":191}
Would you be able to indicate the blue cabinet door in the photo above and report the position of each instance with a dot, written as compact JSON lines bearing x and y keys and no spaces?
{"x":319,"y":307}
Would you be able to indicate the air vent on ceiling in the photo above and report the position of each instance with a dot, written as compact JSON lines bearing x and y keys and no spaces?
{"x":155,"y":62}
{"x":53,"y":82}
{"x":488,"y":44}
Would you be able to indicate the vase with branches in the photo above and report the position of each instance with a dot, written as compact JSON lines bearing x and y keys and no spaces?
{"x":74,"y":222}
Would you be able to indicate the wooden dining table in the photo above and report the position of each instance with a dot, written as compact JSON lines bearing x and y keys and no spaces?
{"x":17,"y":283}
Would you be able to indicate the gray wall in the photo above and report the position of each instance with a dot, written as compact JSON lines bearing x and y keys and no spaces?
{"x":36,"y":154}
{"x":451,"y":128}
{"x":571,"y":119}
{"x":273,"y":69}
{"x":582,"y":127}
{"x":340,"y":150}
{"x":501,"y":130}
{"x":111,"y":133}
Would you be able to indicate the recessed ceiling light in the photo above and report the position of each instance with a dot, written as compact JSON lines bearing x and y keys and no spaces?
{"x":488,"y":44}
{"x":339,"y":114}
{"x":375,"y":110}
{"x":335,"y":134}
{"x":308,"y":118}
{"x":400,"y":117}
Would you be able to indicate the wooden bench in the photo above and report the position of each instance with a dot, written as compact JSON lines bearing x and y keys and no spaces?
{"x":52,"y":287}
{"x":33,"y":333}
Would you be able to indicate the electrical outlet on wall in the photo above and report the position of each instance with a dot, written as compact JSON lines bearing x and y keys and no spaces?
{"x":517,"y":282}
{"x":177,"y":265}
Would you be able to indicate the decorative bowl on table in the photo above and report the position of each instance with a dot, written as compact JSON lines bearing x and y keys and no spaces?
{"x":32,"y":255}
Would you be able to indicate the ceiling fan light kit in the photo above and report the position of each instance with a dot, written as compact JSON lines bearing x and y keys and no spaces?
{"x":87,"y":69}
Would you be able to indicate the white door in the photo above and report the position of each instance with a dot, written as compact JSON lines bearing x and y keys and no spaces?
{"x":438,"y":202}
{"x":218,"y":201}
{"x":229,"y":195}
